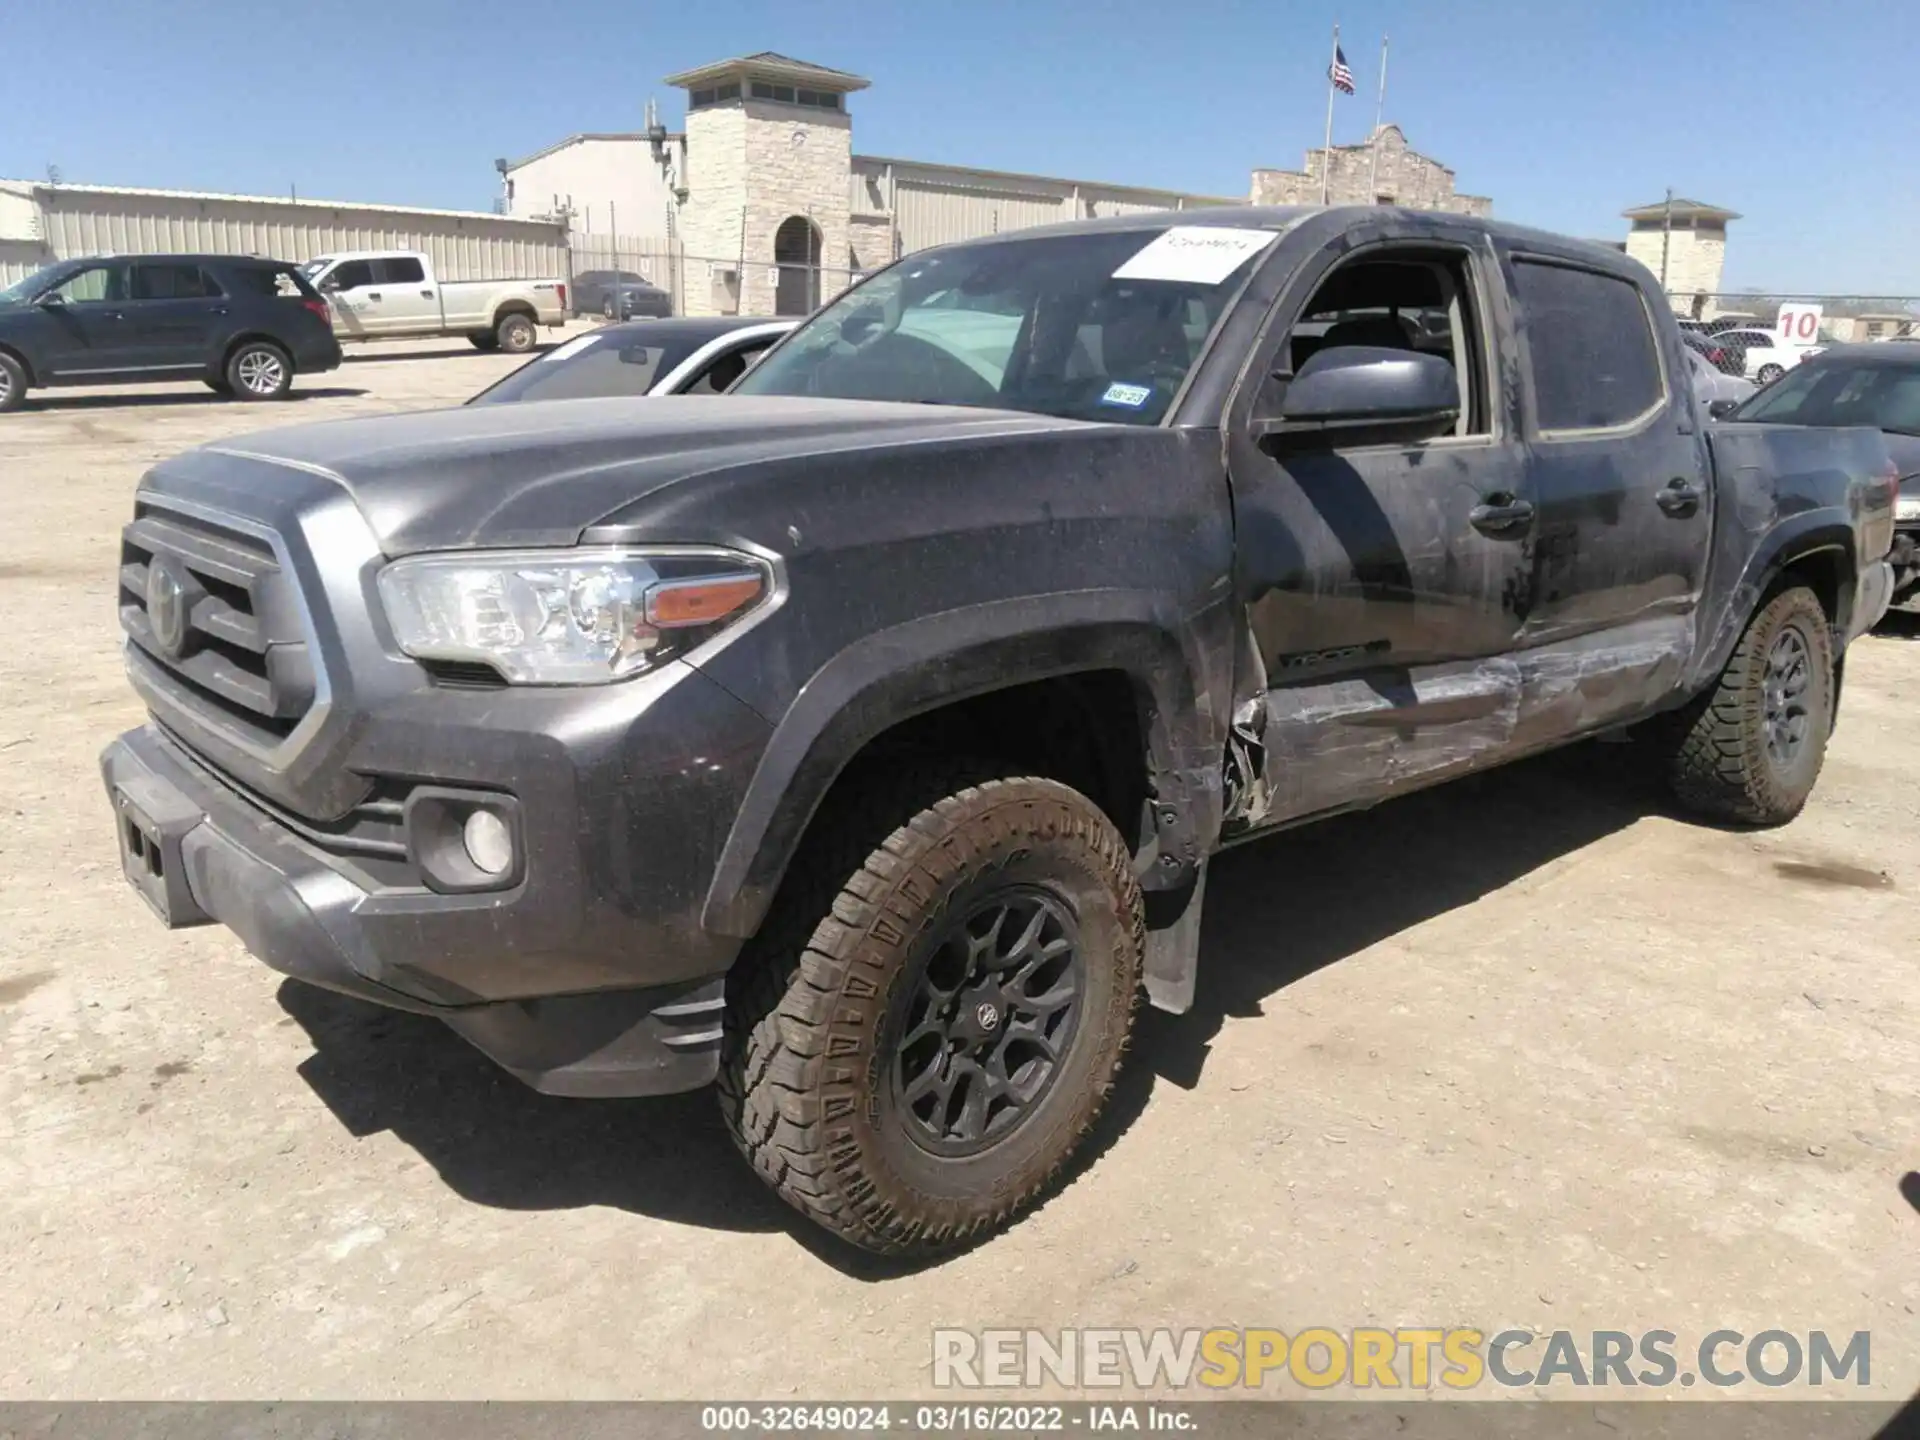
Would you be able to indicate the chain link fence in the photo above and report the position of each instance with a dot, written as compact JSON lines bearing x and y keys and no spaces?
{"x":1761,"y":335}
{"x":628,"y":277}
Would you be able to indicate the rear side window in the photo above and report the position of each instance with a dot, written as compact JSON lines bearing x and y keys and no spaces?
{"x":173,"y":282}
{"x":399,"y":270}
{"x":283,"y":283}
{"x":1595,"y":360}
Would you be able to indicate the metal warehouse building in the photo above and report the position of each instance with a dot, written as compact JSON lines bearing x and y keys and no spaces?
{"x":42,"y":222}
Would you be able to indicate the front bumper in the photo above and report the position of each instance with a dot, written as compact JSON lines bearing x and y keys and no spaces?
{"x":588,"y":975}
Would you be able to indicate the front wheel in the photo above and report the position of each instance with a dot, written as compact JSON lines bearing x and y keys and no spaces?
{"x":607,"y":312}
{"x":935,"y":1012}
{"x":1769,"y":373}
{"x":484,"y":341}
{"x":259,"y":371}
{"x":1750,"y":749}
{"x":515,"y":334}
{"x":13,"y":383}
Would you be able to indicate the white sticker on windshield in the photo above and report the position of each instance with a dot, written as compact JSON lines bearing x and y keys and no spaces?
{"x":1196,"y":254}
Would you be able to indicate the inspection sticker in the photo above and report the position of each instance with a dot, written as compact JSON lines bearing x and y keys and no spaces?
{"x":1131,"y":396}
{"x":1197,"y":254}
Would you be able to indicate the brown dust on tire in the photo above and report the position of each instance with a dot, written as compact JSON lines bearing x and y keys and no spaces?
{"x":809,"y":1067}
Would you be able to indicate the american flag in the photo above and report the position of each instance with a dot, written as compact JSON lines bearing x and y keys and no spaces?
{"x":1338,"y":72}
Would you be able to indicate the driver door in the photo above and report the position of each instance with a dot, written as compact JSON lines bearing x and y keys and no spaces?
{"x":1382,"y":572}
{"x":88,"y":333}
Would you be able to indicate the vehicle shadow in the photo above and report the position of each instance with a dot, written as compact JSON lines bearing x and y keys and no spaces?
{"x":1277,"y":911}
{"x":41,"y":400}
{"x":1899,"y":625}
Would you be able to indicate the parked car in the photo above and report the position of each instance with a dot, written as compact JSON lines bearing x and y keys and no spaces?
{"x":1763,"y":357}
{"x":1713,"y":387}
{"x":244,"y":327}
{"x":1870,"y":383}
{"x":1733,"y":320}
{"x":859,"y":743}
{"x":1709,"y":348}
{"x":644,"y":357}
{"x":394,"y":294}
{"x":619,"y":295}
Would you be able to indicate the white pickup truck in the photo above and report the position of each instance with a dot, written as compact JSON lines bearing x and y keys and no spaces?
{"x":393,"y":294}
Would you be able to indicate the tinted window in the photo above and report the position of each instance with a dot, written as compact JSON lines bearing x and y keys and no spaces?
{"x":281,"y":281}
{"x":1595,"y":360}
{"x":400,"y":270}
{"x":353,"y":275}
{"x":172,"y":282}
{"x":1840,"y":393}
{"x":726,"y":369}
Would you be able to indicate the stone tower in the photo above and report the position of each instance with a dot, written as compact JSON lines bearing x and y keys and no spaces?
{"x":1684,"y":243}
{"x":769,"y":165}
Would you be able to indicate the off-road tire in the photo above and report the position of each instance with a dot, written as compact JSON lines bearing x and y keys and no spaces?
{"x":259,"y":370}
{"x":13,"y":383}
{"x":486,"y":340}
{"x":814,"y":1007}
{"x":1720,"y":763}
{"x":515,"y":334}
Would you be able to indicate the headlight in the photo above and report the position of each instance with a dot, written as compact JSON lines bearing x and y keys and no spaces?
{"x":568,"y":617}
{"x":1907,"y":507}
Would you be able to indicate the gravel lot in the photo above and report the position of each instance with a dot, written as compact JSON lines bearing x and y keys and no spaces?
{"x":1528,"y":1051}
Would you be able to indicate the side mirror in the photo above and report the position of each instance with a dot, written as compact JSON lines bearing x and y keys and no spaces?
{"x":859,"y":325}
{"x":1366,"y":385}
{"x":330,"y":285}
{"x":1720,"y":409}
{"x":52,"y":300}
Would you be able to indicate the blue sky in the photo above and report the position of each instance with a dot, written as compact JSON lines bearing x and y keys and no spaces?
{"x":1564,"y":112}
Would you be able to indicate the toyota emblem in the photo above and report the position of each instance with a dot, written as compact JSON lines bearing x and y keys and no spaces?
{"x":167,"y":607}
{"x":987,"y":1016}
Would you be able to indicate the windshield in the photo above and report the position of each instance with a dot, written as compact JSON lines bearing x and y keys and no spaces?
{"x":1100,"y":325}
{"x":593,"y":366}
{"x":314,"y":267}
{"x":39,"y":280}
{"x":1838,"y":393}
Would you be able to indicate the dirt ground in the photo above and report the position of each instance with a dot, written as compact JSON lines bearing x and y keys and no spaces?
{"x":1528,"y":1051}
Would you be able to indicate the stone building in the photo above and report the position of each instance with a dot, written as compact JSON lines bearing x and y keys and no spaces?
{"x":1684,"y":243}
{"x":1380,"y":170}
{"x":761,"y":205}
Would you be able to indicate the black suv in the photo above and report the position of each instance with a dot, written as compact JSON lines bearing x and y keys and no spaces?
{"x":243,"y":326}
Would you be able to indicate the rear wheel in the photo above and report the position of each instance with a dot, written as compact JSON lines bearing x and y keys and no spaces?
{"x":1750,"y":749}
{"x":219,"y":387}
{"x":515,"y":334}
{"x":935,"y":1012}
{"x":484,"y":341}
{"x":13,"y":383}
{"x":259,"y":371}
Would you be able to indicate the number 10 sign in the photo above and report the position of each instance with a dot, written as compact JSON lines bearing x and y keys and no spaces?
{"x":1798,"y":324}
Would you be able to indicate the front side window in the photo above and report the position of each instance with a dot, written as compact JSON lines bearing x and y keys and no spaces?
{"x":1099,"y":325}
{"x":597,"y":365}
{"x":1591,"y":346}
{"x":95,"y":283}
{"x":352,"y":275}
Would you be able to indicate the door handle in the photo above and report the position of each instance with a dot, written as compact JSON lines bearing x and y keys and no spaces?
{"x":218,"y":310}
{"x":426,"y":294}
{"x":1500,"y":513}
{"x":113,"y":315}
{"x":1680,"y":499}
{"x":373,"y":295}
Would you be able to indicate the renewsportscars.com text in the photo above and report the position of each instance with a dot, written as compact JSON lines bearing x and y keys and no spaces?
{"x":1321,"y":1358}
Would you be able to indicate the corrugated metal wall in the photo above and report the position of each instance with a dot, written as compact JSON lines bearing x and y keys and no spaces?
{"x":935,"y":213}
{"x":20,"y":258}
{"x":463,"y":247}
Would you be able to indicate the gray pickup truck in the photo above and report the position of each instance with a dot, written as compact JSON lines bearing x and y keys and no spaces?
{"x":859,"y":741}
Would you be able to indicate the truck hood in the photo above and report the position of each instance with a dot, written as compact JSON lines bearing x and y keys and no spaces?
{"x":541,"y":473}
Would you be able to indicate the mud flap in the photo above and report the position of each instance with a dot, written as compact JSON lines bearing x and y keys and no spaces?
{"x":1172,"y":961}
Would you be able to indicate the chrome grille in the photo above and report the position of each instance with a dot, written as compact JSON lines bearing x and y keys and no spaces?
{"x":227,"y":629}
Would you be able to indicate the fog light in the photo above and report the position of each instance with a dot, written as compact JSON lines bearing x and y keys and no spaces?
{"x":489,"y":842}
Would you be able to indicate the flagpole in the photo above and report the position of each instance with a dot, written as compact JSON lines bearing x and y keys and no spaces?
{"x":1326,"y":154}
{"x":1379,"y":116}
